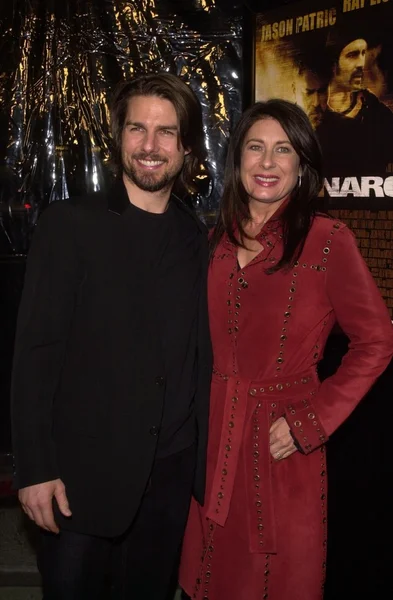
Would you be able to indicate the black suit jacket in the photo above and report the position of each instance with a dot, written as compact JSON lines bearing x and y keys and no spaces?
{"x":88,"y":381}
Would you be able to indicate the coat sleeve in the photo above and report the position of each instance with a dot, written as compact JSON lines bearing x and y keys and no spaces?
{"x":362,"y":315}
{"x":45,"y":313}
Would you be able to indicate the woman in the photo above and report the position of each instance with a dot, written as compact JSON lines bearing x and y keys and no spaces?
{"x":280,"y":277}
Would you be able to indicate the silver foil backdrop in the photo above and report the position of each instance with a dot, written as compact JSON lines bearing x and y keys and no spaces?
{"x":59,"y":64}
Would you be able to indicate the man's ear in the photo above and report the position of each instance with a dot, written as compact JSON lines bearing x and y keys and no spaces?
{"x":187,"y":151}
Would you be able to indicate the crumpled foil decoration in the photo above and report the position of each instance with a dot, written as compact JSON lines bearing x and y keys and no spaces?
{"x":59,"y":63}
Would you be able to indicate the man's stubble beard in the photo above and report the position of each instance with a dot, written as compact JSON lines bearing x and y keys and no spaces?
{"x":148,"y":182}
{"x":349,"y":84}
{"x":360,"y":82}
{"x":316,"y":116}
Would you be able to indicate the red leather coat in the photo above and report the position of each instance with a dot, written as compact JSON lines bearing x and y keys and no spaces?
{"x":262,"y":531}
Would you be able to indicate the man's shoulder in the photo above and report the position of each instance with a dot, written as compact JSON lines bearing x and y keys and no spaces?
{"x":92,"y":202}
{"x":332,"y":124}
{"x":72,"y":214}
{"x":369,"y":98}
{"x":373,"y":104}
{"x":188,"y":213}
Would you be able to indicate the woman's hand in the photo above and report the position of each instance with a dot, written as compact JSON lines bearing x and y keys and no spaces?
{"x":281,"y":441}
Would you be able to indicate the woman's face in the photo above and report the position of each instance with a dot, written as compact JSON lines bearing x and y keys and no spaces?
{"x":269,"y":165}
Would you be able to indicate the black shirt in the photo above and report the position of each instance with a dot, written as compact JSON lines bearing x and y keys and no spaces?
{"x":168,"y":250}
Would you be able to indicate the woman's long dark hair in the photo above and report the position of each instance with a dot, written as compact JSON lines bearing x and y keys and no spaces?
{"x":298,"y":213}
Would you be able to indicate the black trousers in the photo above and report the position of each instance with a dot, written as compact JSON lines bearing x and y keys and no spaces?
{"x":141,"y":564}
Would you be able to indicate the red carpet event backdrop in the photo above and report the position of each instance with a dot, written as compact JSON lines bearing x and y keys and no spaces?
{"x":59,"y":65}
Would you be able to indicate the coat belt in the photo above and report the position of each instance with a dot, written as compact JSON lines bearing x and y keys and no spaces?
{"x":249,"y":410}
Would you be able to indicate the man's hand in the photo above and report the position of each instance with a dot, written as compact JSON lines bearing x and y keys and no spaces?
{"x":281,"y":441}
{"x":36,"y":501}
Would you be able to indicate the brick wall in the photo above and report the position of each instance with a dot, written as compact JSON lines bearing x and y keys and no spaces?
{"x":374,"y":232}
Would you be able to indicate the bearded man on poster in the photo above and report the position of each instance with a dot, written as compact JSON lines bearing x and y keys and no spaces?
{"x":356,"y":133}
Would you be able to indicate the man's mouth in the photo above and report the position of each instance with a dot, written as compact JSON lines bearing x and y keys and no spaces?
{"x":150,"y":163}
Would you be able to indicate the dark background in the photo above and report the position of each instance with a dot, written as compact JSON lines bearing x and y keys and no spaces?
{"x":210,"y":44}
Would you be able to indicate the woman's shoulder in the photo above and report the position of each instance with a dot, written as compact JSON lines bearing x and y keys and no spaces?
{"x":325,"y":225}
{"x":327,"y":233}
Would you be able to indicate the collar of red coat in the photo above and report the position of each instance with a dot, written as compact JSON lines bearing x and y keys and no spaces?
{"x":272,"y":229}
{"x":275,"y":221}
{"x":270,"y":238}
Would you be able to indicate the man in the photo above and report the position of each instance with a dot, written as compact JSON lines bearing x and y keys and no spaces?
{"x":356,"y":132}
{"x":112,"y":360}
{"x":348,"y":78}
{"x":310,"y":92}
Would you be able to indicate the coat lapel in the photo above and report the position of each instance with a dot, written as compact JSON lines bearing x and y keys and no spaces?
{"x":118,"y":198}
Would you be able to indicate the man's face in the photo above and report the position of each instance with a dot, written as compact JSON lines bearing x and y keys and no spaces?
{"x":152,"y":153}
{"x":312,"y":96}
{"x":350,"y":68}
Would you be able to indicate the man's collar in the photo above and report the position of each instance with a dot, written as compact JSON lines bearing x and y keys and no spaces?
{"x":118,"y":202}
{"x":189,"y":211}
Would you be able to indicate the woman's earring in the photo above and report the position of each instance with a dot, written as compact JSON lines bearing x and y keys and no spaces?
{"x":299,"y":180}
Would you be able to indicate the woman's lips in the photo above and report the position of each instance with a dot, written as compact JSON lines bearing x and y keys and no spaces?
{"x":266,"y":180}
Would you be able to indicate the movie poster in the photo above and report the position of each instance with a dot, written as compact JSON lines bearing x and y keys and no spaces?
{"x":336,"y":61}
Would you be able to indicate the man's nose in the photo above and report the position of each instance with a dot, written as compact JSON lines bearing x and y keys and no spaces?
{"x":315,"y":100}
{"x":150,"y":141}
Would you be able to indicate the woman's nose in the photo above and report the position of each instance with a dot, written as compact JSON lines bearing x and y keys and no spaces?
{"x":267,"y":159}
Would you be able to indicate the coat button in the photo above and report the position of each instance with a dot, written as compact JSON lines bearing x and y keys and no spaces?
{"x":160,"y":380}
{"x":154,"y":430}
